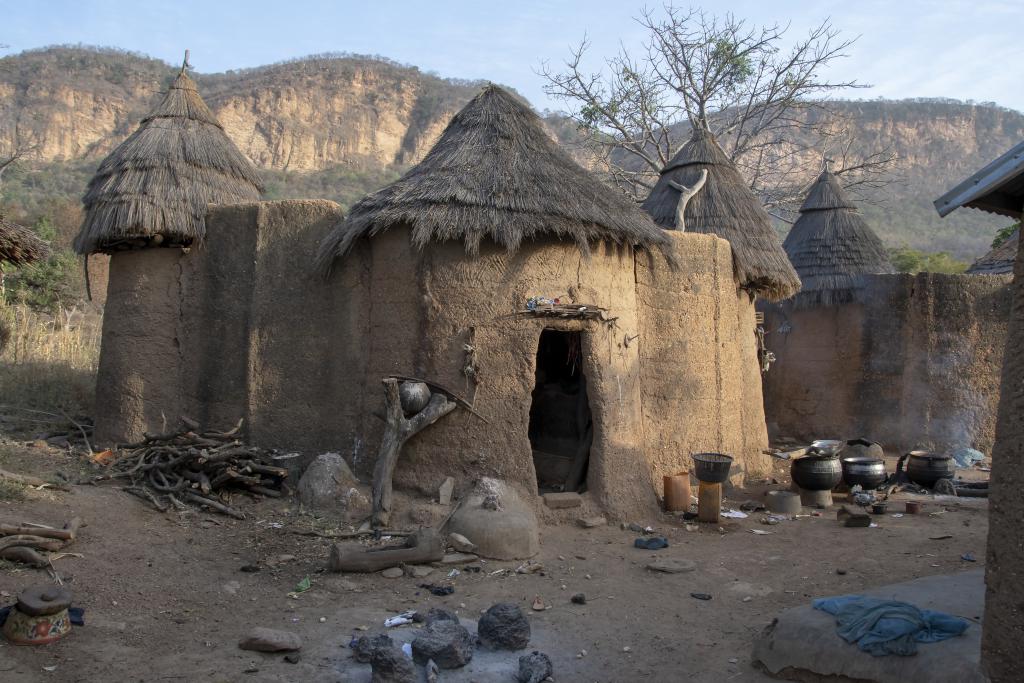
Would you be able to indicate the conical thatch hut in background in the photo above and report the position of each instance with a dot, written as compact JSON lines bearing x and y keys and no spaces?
{"x":448,"y":275}
{"x":145,"y":206}
{"x":862,"y":351}
{"x":153,"y":189}
{"x":832,"y":246}
{"x":19,"y":245}
{"x":725,"y":207}
{"x":1000,"y":260}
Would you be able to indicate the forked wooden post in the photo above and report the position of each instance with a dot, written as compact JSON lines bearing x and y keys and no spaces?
{"x":397,"y":431}
{"x":685,"y":195}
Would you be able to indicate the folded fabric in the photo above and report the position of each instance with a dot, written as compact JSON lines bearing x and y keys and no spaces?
{"x":883,"y":627}
{"x":652,"y":543}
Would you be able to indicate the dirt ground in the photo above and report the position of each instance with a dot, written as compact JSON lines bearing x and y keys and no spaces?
{"x":165,"y":597}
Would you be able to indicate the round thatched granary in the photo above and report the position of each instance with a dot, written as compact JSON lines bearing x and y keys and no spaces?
{"x":19,"y":245}
{"x":861,"y":351}
{"x":999,"y":261}
{"x":446,"y":275}
{"x":146,"y":206}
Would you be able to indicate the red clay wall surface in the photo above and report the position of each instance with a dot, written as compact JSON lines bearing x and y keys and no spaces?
{"x":914,"y":363}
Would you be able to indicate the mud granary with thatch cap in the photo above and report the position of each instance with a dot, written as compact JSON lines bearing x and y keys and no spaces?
{"x":908,"y":361}
{"x":290,"y":315}
{"x":146,"y":207}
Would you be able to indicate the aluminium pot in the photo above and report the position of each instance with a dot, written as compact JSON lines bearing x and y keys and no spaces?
{"x":925,"y":468}
{"x":864,"y":471}
{"x":817,"y":472}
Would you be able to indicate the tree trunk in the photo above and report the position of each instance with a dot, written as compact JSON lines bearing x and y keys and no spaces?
{"x":397,"y":431}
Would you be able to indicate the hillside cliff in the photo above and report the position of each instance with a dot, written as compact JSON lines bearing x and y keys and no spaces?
{"x":340,"y":126}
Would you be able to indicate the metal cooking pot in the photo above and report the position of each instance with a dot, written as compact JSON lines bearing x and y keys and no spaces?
{"x":864,"y":471}
{"x":925,"y":468}
{"x":816,"y":472}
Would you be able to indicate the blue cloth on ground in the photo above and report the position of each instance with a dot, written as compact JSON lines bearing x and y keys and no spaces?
{"x":888,"y":627}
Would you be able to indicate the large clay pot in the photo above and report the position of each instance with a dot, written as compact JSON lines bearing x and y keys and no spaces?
{"x":817,"y":472}
{"x":925,"y":468}
{"x":864,"y":471}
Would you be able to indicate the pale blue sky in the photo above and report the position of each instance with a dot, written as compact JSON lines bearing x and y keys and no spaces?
{"x":907,"y":48}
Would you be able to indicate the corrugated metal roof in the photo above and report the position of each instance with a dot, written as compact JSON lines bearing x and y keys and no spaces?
{"x":997,"y":188}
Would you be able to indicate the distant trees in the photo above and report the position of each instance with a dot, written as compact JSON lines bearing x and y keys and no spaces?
{"x":1005,"y":234}
{"x":913,"y":261}
{"x":762,"y":101}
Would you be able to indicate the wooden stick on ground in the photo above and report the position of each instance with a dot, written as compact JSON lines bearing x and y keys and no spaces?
{"x":31,"y":542}
{"x":421,"y":548}
{"x":20,"y":553}
{"x":397,"y":431}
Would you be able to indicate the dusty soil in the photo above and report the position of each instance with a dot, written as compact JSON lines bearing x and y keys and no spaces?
{"x":165,"y":598}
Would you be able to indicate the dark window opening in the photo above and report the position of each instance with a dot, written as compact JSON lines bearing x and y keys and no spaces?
{"x":561,"y":428}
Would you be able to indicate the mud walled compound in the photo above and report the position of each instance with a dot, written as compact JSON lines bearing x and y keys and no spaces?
{"x":242,"y":326}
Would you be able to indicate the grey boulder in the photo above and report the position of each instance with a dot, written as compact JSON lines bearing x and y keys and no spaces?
{"x":446,"y":642}
{"x":504,"y":627}
{"x":270,"y":640}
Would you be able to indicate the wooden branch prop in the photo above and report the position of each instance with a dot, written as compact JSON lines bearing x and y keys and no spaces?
{"x":66,"y":534}
{"x":26,"y":479}
{"x":421,"y":548}
{"x":397,"y":431}
{"x":31,"y":541}
{"x":24,"y":555}
{"x":451,"y":394}
{"x":685,"y":195}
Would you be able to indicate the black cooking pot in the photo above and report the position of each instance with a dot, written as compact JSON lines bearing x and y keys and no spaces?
{"x":711,"y":468}
{"x":864,"y":471}
{"x":863,"y":448}
{"x":925,"y":468}
{"x":817,"y":472}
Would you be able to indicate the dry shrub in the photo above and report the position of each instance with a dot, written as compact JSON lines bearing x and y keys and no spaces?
{"x":49,"y":361}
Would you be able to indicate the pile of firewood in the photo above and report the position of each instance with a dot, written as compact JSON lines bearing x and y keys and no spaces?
{"x":199,"y":467}
{"x":22,"y":542}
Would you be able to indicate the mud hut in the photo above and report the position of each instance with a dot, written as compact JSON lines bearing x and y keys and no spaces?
{"x":1000,"y":260}
{"x":723,"y":205}
{"x":146,"y":206}
{"x":862,"y":351}
{"x":578,"y":330}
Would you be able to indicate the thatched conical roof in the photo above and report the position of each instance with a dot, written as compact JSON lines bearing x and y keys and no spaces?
{"x":20,"y":245}
{"x":1000,"y":260}
{"x":495,"y":174}
{"x":831,"y":246}
{"x":726,"y":207}
{"x":160,"y":180}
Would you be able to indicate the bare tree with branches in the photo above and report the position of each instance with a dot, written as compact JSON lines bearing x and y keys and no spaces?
{"x":21,"y":148}
{"x":764,"y":104}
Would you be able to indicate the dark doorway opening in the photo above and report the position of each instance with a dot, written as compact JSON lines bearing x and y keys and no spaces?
{"x":561,"y":428}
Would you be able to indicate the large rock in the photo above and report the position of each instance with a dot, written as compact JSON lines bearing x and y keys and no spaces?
{"x":534,"y":668}
{"x":270,"y":640}
{"x":364,"y":646}
{"x":329,"y":485}
{"x":446,"y":642}
{"x":390,"y":665}
{"x":501,"y":525}
{"x":504,"y":627}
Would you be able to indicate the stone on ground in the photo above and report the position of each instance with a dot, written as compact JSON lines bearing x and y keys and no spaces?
{"x":364,"y":646}
{"x":436,"y":614}
{"x":534,"y":668}
{"x":591,"y":522}
{"x":557,"y":501}
{"x":270,"y":640}
{"x":418,"y":571}
{"x":446,"y":642}
{"x":669,"y":565}
{"x":393,"y":573}
{"x":802,"y":643}
{"x":390,"y":665}
{"x":444,"y":493}
{"x":329,"y":485}
{"x":461,"y":543}
{"x":501,"y":525}
{"x":504,"y":627}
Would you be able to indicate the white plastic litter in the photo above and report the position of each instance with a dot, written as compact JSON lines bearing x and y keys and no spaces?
{"x":400,"y":619}
{"x":734,"y":514}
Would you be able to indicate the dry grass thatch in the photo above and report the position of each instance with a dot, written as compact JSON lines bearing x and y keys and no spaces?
{"x":831,"y":246}
{"x":725,"y":207}
{"x":20,"y":245}
{"x":495,"y":174}
{"x":160,"y":180}
{"x":1000,"y":260}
